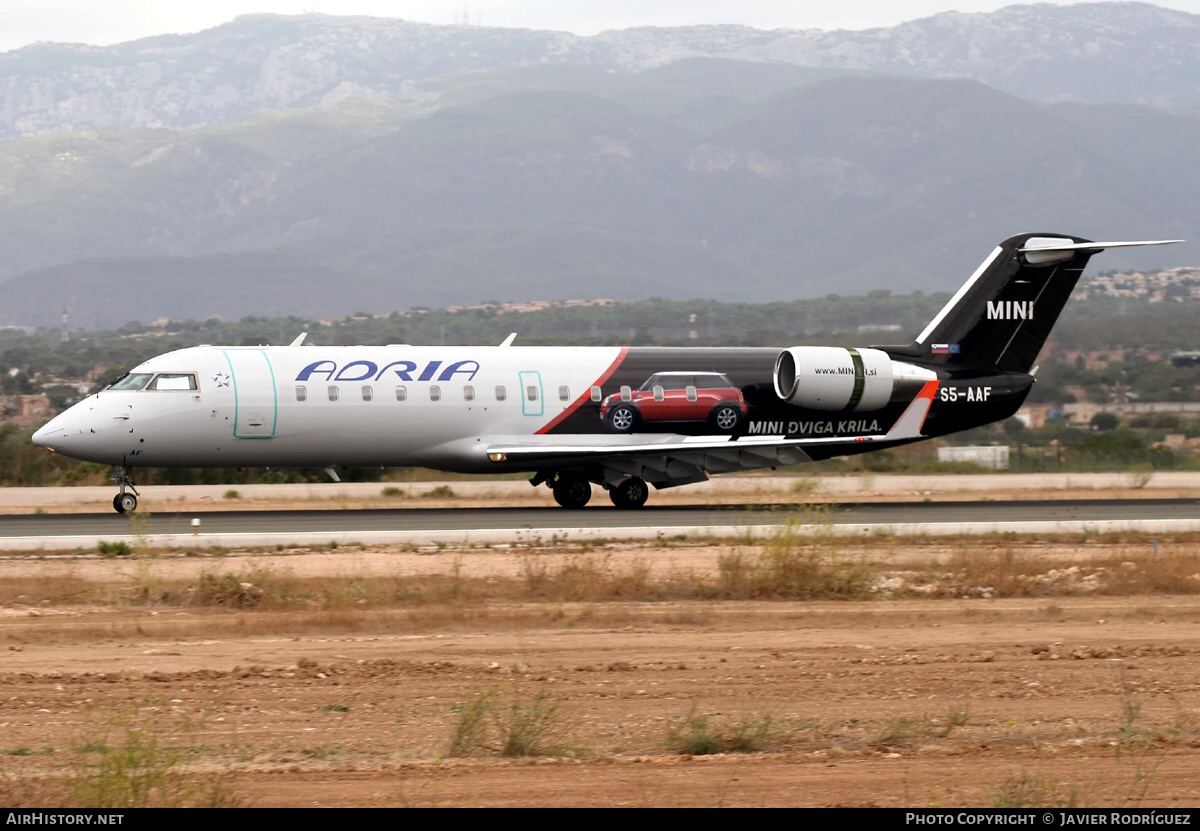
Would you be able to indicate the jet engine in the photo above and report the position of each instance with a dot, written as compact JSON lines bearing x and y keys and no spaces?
{"x":847,"y":380}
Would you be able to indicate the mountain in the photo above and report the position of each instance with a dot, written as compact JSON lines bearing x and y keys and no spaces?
{"x":699,"y":178}
{"x":1090,"y":53}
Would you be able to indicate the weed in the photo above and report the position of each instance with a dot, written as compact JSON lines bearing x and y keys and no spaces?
{"x":470,"y":732}
{"x":440,"y":492}
{"x":114,"y":549}
{"x":231,"y":494}
{"x":1032,"y":790}
{"x":804,"y":486}
{"x":139,"y":525}
{"x":800,"y":560}
{"x":521,"y":727}
{"x":1136,"y":746}
{"x":1138,"y":476}
{"x":335,"y":708}
{"x":900,"y":732}
{"x":227,"y":590}
{"x":700,"y":734}
{"x":139,"y":768}
{"x":906,"y":731}
{"x":392,"y":490}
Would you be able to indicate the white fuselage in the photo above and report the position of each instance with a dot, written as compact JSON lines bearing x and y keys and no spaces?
{"x":324,"y":406}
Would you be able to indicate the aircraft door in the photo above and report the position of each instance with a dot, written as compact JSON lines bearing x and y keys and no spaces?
{"x":256,"y":399}
{"x":531,"y":394}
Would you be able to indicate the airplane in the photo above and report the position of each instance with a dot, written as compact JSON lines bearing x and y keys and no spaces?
{"x":623,"y":418}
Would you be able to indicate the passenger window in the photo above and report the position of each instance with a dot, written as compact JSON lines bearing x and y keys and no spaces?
{"x":501,"y":393}
{"x":531,"y":392}
{"x":401,"y":393}
{"x":174,"y":381}
{"x":691,"y":393}
{"x":333,"y":393}
{"x":435,"y":393}
{"x":626,"y":393}
{"x":564,"y":393}
{"x":367,"y":392}
{"x":596,"y":394}
{"x":468,"y":392}
{"x":659,"y":395}
{"x":301,"y":393}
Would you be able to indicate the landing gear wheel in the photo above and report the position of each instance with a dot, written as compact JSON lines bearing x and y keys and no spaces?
{"x":572,"y":492}
{"x":726,"y":418}
{"x":125,"y":503}
{"x":631,"y":493}
{"x":623,"y":418}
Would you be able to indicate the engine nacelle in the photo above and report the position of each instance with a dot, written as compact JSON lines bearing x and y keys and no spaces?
{"x":849,"y":380}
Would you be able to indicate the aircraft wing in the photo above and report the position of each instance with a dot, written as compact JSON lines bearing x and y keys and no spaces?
{"x":676,"y":460}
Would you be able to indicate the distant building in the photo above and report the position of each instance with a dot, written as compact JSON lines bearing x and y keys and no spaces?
{"x":26,"y":411}
{"x":990,"y":456}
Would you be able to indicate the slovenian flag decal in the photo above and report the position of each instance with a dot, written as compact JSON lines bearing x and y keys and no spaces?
{"x":944,"y":349}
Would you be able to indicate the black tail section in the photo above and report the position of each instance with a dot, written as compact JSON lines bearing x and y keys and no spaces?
{"x":1001,"y":317}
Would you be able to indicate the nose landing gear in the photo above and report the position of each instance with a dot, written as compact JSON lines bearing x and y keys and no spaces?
{"x":124,"y":503}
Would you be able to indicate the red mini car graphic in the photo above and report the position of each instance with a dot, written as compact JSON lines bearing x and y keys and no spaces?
{"x":677,"y":396}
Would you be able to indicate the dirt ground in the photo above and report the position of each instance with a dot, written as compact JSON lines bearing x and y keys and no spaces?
{"x":1089,"y":700}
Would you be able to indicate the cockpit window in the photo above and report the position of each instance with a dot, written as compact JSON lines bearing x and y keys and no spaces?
{"x":173,"y":381}
{"x":131,"y":381}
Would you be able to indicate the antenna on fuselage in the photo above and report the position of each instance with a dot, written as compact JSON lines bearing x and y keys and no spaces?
{"x":299,"y":340}
{"x":508,"y":341}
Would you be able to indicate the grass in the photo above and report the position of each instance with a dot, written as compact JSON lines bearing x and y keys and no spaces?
{"x":799,"y":561}
{"x":1136,"y":747}
{"x":1026,"y":789}
{"x":907,"y":731}
{"x":523,"y":725}
{"x":705,"y":733}
{"x":136,"y":760}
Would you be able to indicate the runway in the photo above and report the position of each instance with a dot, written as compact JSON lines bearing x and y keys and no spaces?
{"x":478,"y":525}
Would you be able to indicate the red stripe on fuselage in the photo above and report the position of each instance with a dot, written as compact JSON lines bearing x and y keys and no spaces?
{"x":599,"y":382}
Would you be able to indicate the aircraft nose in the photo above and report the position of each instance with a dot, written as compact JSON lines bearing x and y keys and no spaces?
{"x":45,"y":436}
{"x":65,"y":433}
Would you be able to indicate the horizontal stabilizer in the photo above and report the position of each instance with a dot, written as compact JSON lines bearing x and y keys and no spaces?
{"x":1056,"y":244}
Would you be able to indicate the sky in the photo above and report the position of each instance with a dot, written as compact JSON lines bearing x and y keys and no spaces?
{"x":104,"y":22}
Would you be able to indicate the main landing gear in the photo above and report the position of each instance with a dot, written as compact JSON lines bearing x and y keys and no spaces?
{"x":631,"y":493}
{"x":572,"y":490}
{"x":124,"y":503}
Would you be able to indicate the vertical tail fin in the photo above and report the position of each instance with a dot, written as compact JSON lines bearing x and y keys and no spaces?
{"x":1003,"y":314}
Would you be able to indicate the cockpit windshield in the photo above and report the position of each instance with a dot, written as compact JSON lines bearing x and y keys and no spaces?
{"x":173,"y":381}
{"x":153,"y":381}
{"x":131,"y":381}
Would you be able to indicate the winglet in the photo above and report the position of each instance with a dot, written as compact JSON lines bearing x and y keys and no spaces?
{"x":909,"y":425}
